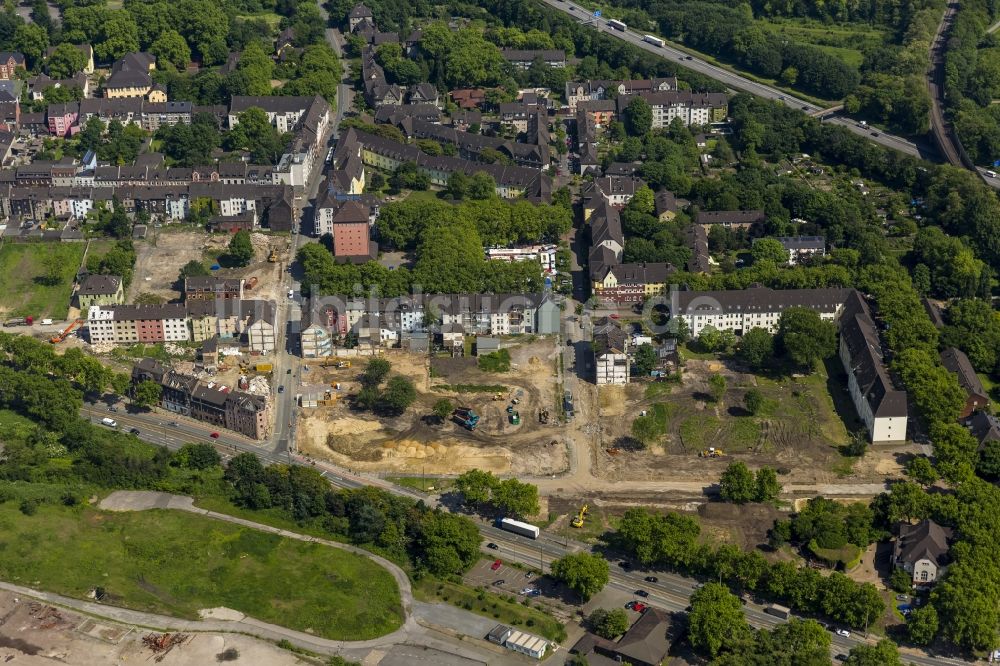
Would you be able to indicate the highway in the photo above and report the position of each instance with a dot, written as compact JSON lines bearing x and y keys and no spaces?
{"x":921,"y":148}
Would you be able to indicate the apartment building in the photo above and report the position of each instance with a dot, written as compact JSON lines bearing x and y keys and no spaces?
{"x":134,"y":324}
{"x":730,"y":219}
{"x":100,"y":290}
{"x":210,"y":288}
{"x":691,"y":108}
{"x":801,"y":247}
{"x":545,"y":255}
{"x":589,"y":91}
{"x":10,"y":62}
{"x":631,"y":283}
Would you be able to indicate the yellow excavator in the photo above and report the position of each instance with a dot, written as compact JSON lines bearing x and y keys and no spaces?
{"x":578,"y":518}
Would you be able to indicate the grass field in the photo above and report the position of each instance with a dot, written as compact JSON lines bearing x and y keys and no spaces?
{"x":175,"y":563}
{"x":38,"y":278}
{"x":424,"y":485}
{"x":842,"y":40}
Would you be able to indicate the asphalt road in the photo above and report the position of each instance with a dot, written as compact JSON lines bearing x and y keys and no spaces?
{"x":922,"y":148}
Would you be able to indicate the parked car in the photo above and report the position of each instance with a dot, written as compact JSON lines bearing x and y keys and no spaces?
{"x":496,"y":565}
{"x":214,"y":435}
{"x":902,"y":597}
{"x":492,"y":546}
{"x":652,"y":579}
{"x":498,"y":583}
{"x":134,"y":431}
{"x":843,"y":632}
{"x":281,"y":389}
{"x":642,"y":593}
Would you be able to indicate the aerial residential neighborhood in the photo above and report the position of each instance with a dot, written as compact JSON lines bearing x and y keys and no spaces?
{"x":499,"y":333}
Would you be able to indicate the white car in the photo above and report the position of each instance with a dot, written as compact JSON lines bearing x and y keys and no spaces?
{"x":843,"y":632}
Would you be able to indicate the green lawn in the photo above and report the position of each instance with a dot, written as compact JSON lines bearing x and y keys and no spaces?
{"x":504,"y":609}
{"x":176,"y":563}
{"x":842,"y":40}
{"x":37,"y":278}
{"x":423,"y":484}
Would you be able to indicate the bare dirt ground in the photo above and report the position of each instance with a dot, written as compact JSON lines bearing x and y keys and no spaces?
{"x":161,"y":257}
{"x":799,"y":433}
{"x":33,"y":633}
{"x":416,"y":442}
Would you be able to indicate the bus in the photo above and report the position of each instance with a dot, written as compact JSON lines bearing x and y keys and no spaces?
{"x":655,"y":41}
{"x":617,"y":25}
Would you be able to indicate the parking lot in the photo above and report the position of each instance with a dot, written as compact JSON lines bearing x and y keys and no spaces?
{"x":506,"y":579}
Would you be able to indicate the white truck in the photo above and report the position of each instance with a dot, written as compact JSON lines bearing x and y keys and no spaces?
{"x":111,"y":423}
{"x":517,"y":527}
{"x":655,"y":41}
{"x":617,"y":25}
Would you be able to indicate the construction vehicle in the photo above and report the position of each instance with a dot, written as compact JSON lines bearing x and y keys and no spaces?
{"x":20,"y":321}
{"x":497,"y":396}
{"x":515,"y":418}
{"x":578,"y":518}
{"x":711,"y":453}
{"x":251,"y":283}
{"x":264,"y":367}
{"x":543,"y":415}
{"x":466,"y":417}
{"x":329,"y":399}
{"x":343,"y":364}
{"x":612,"y":452}
{"x":56,"y":339}
{"x":272,"y":258}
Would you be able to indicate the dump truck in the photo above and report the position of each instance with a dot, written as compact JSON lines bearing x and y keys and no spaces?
{"x":20,"y":321}
{"x":467,"y":418}
{"x":515,"y":418}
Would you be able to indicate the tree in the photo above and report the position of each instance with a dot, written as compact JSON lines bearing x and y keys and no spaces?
{"x":65,"y":61}
{"x":643,"y":201}
{"x":458,"y":185}
{"x":716,"y":620}
{"x":713,"y":340}
{"x":645,"y":359}
{"x":884,"y":653}
{"x":922,"y":625}
{"x":443,"y":408}
{"x":769,"y":249}
{"x":171,"y":51}
{"x":767,"y":487}
{"x":375,"y":372}
{"x":399,"y":394}
{"x":476,"y":486}
{"x":197,"y":456}
{"x":584,"y":573}
{"x":804,"y":337}
{"x":119,"y":35}
{"x":32,"y":40}
{"x":989,"y":460}
{"x":717,"y":385}
{"x":240,"y":250}
{"x":609,"y":623}
{"x":482,"y":186}
{"x":754,"y":401}
{"x":756,"y":348}
{"x":193,"y":268}
{"x":448,"y":543}
{"x":737,"y":483}
{"x":254,"y":133}
{"x":921,"y":470}
{"x":638,"y":117}
{"x":147,"y":394}
{"x":515,"y":498}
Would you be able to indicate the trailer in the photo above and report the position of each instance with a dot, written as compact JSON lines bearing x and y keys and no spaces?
{"x":466,"y":418}
{"x":778,"y":611}
{"x":617,"y":25}
{"x":517,"y":527}
{"x":655,"y":41}
{"x":19,"y":321}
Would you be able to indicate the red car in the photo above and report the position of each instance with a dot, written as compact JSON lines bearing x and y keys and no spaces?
{"x":214,"y":435}
{"x":496,"y":565}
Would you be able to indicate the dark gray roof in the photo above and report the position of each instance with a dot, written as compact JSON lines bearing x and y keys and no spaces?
{"x":149,"y":312}
{"x":528,"y":55}
{"x":360,"y":11}
{"x":272,"y":104}
{"x":858,"y":332}
{"x":608,"y":336}
{"x":984,"y":427}
{"x":729,"y":217}
{"x":925,"y":540}
{"x":958,"y":363}
{"x":646,"y":641}
{"x":100,"y":285}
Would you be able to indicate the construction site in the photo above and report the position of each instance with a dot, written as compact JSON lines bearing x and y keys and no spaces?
{"x":34,"y":633}
{"x":503,"y":422}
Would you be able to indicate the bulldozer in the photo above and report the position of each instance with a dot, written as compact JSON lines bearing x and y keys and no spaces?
{"x":578,"y":518}
{"x":712,"y":452}
{"x":272,"y":258}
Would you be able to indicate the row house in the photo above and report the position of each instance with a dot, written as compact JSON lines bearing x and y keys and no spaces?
{"x":393,"y":115}
{"x":210,"y":288}
{"x":512,"y":182}
{"x":631,"y":283}
{"x":691,"y":108}
{"x":617,"y":191}
{"x":532,"y":154}
{"x":387,"y":322}
{"x":250,"y":321}
{"x":730,"y":219}
{"x":37,"y":85}
{"x":63,"y":118}
{"x":590,"y":91}
{"x":10,"y":63}
{"x":137,"y":324}
{"x":283,"y":112}
{"x":148,"y":115}
{"x":757,"y":307}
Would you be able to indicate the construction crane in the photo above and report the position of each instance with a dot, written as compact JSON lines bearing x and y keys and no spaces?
{"x":578,"y":518}
{"x":56,"y":339}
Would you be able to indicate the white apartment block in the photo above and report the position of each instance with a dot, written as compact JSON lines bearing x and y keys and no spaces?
{"x":759,"y":307}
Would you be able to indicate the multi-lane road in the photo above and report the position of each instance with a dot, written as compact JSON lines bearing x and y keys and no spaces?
{"x":919,"y":148}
